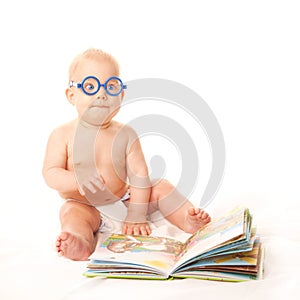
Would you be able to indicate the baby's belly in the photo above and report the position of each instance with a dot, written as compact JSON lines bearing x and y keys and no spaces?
{"x":114,"y":176}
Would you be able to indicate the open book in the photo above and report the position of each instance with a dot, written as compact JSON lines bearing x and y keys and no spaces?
{"x":226,"y":249}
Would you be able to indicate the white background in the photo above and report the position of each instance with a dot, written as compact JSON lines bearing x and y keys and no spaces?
{"x":241,"y":57}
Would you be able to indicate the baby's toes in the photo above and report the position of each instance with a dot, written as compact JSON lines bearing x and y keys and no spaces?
{"x":58,"y":242}
{"x":64,"y":236}
{"x":197,"y":210}
{"x":203,"y":215}
{"x":191,"y":211}
{"x":207,"y":219}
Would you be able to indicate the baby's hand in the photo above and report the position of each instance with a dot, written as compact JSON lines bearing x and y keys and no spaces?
{"x":92,"y":183}
{"x":136,"y":228}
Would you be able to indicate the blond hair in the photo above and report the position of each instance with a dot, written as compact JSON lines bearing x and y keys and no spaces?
{"x":93,"y":54}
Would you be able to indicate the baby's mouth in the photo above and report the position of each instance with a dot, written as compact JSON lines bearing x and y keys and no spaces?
{"x":99,"y":105}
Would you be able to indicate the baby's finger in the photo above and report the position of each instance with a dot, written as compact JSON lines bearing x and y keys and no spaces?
{"x":144,"y":230}
{"x":81,"y":191}
{"x":90,"y":187}
{"x":136,"y":230}
{"x":98,"y":183}
{"x":148,"y":229}
{"x":127,"y":229}
{"x":124,"y":229}
{"x":102,"y":179}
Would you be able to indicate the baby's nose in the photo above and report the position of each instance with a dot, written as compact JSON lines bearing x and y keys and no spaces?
{"x":101,"y":94}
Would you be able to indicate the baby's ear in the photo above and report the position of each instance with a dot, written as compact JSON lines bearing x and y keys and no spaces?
{"x":70,"y":96}
{"x":122,"y":95}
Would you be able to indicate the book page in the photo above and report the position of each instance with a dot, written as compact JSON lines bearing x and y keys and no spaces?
{"x":151,"y":252}
{"x":214,"y":234}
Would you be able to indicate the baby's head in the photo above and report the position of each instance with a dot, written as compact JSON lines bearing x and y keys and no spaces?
{"x":94,"y":87}
{"x":92,"y":54}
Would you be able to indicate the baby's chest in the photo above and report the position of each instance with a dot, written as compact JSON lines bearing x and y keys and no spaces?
{"x":110,"y":155}
{"x":104,"y":153}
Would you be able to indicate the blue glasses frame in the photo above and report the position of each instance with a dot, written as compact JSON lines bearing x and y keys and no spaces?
{"x":81,"y":85}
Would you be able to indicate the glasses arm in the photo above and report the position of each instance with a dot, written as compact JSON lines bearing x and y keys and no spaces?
{"x":73,"y":83}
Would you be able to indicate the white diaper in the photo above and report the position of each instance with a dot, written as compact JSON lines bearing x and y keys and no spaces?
{"x":113,"y":215}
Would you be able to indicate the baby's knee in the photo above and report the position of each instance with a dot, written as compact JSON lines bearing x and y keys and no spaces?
{"x":161,"y":186}
{"x":80,"y":212}
{"x":161,"y":183}
{"x":71,"y":208}
{"x":68,"y":208}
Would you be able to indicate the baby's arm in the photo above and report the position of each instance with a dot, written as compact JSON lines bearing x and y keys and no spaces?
{"x":55,"y":164}
{"x":140,"y":190}
{"x":58,"y":177}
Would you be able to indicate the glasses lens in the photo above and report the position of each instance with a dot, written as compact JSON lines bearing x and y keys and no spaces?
{"x":90,"y":85}
{"x":114,"y":86}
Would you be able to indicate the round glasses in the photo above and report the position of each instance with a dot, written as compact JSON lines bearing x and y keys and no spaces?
{"x":90,"y":85}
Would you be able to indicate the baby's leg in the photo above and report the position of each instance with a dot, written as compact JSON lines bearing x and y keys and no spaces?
{"x":79,"y":222}
{"x":176,"y":208}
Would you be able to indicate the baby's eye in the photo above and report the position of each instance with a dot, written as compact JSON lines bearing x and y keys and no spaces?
{"x":112,"y":87}
{"x":89,"y":87}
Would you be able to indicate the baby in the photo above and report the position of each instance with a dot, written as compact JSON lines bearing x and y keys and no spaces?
{"x":94,"y":160}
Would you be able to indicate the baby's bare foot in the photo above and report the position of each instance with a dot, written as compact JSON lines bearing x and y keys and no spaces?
{"x":73,"y":246}
{"x":195,"y":219}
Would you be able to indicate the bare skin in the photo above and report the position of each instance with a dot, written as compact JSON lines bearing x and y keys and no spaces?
{"x":118,"y":156}
{"x":195,"y":219}
{"x":77,"y":240}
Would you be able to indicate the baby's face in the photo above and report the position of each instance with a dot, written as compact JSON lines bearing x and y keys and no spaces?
{"x":100,"y":108}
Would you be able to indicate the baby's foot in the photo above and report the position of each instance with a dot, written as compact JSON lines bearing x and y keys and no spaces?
{"x":195,"y":219}
{"x":73,"y":246}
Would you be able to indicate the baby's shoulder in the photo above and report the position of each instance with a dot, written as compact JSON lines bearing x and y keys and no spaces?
{"x":64,"y":131}
{"x":126,"y":130}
